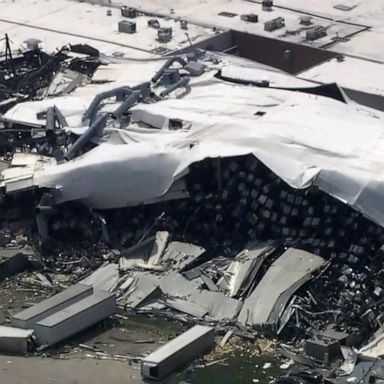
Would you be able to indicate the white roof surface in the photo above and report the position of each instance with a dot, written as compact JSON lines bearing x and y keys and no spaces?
{"x":351,"y":73}
{"x":61,"y":22}
{"x":340,"y":23}
{"x":207,"y":12}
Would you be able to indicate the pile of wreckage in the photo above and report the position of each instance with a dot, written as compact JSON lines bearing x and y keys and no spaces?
{"x":199,"y":195}
{"x":32,"y":74}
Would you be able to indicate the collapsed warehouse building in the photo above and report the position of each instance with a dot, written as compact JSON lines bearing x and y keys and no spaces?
{"x":270,"y":176}
{"x":201,"y":180}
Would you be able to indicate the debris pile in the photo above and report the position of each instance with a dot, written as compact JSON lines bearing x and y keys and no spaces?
{"x":235,"y":246}
{"x":237,"y":214}
{"x":33,"y":74}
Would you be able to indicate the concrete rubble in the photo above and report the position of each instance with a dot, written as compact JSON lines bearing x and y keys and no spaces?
{"x":196,"y":195}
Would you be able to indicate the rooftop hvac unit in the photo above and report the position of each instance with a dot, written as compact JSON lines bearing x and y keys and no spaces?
{"x":128,"y":12}
{"x":164,"y":35}
{"x":250,"y":17}
{"x":127,"y":26}
{"x":316,"y":33}
{"x":266,"y":5}
{"x":274,"y":24}
{"x":154,"y":23}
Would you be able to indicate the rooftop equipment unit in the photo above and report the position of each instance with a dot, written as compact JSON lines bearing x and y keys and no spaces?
{"x":267,"y":5}
{"x":316,"y":33}
{"x":305,"y":20}
{"x":274,"y":24}
{"x":154,"y":23}
{"x":127,"y":26}
{"x":164,"y":35}
{"x":32,"y":44}
{"x":128,"y":12}
{"x":250,"y":17}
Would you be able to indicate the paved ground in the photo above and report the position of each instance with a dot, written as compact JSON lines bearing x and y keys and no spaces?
{"x":21,"y":370}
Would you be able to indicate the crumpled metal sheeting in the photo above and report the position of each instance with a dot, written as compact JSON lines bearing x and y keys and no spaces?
{"x":350,"y":357}
{"x":146,"y":254}
{"x":141,"y":287}
{"x":187,"y":306}
{"x":137,"y":255}
{"x":243,"y":269}
{"x":281,"y":303}
{"x":161,"y":240}
{"x":219,"y":306}
{"x":292,"y":267}
{"x":176,"y":285}
{"x":180,"y":255}
{"x":105,"y":278}
{"x":180,"y":294}
{"x":375,"y":348}
{"x":215,"y":305}
{"x":365,"y":371}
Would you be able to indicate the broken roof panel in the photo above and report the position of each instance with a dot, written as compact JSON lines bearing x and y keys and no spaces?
{"x":181,"y":255}
{"x":219,"y":306}
{"x":72,"y":108}
{"x":187,"y":306}
{"x":176,"y":285}
{"x":105,"y":278}
{"x":142,"y":288}
{"x":243,"y":269}
{"x":291,"y":270}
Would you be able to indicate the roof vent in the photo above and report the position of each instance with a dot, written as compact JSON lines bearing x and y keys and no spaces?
{"x":345,"y":7}
{"x":305,"y":20}
{"x":227,"y":14}
{"x":32,"y":43}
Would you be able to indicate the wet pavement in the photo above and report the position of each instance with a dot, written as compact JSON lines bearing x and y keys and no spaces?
{"x":237,"y":368}
{"x":107,"y":352}
{"x":115,"y":346}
